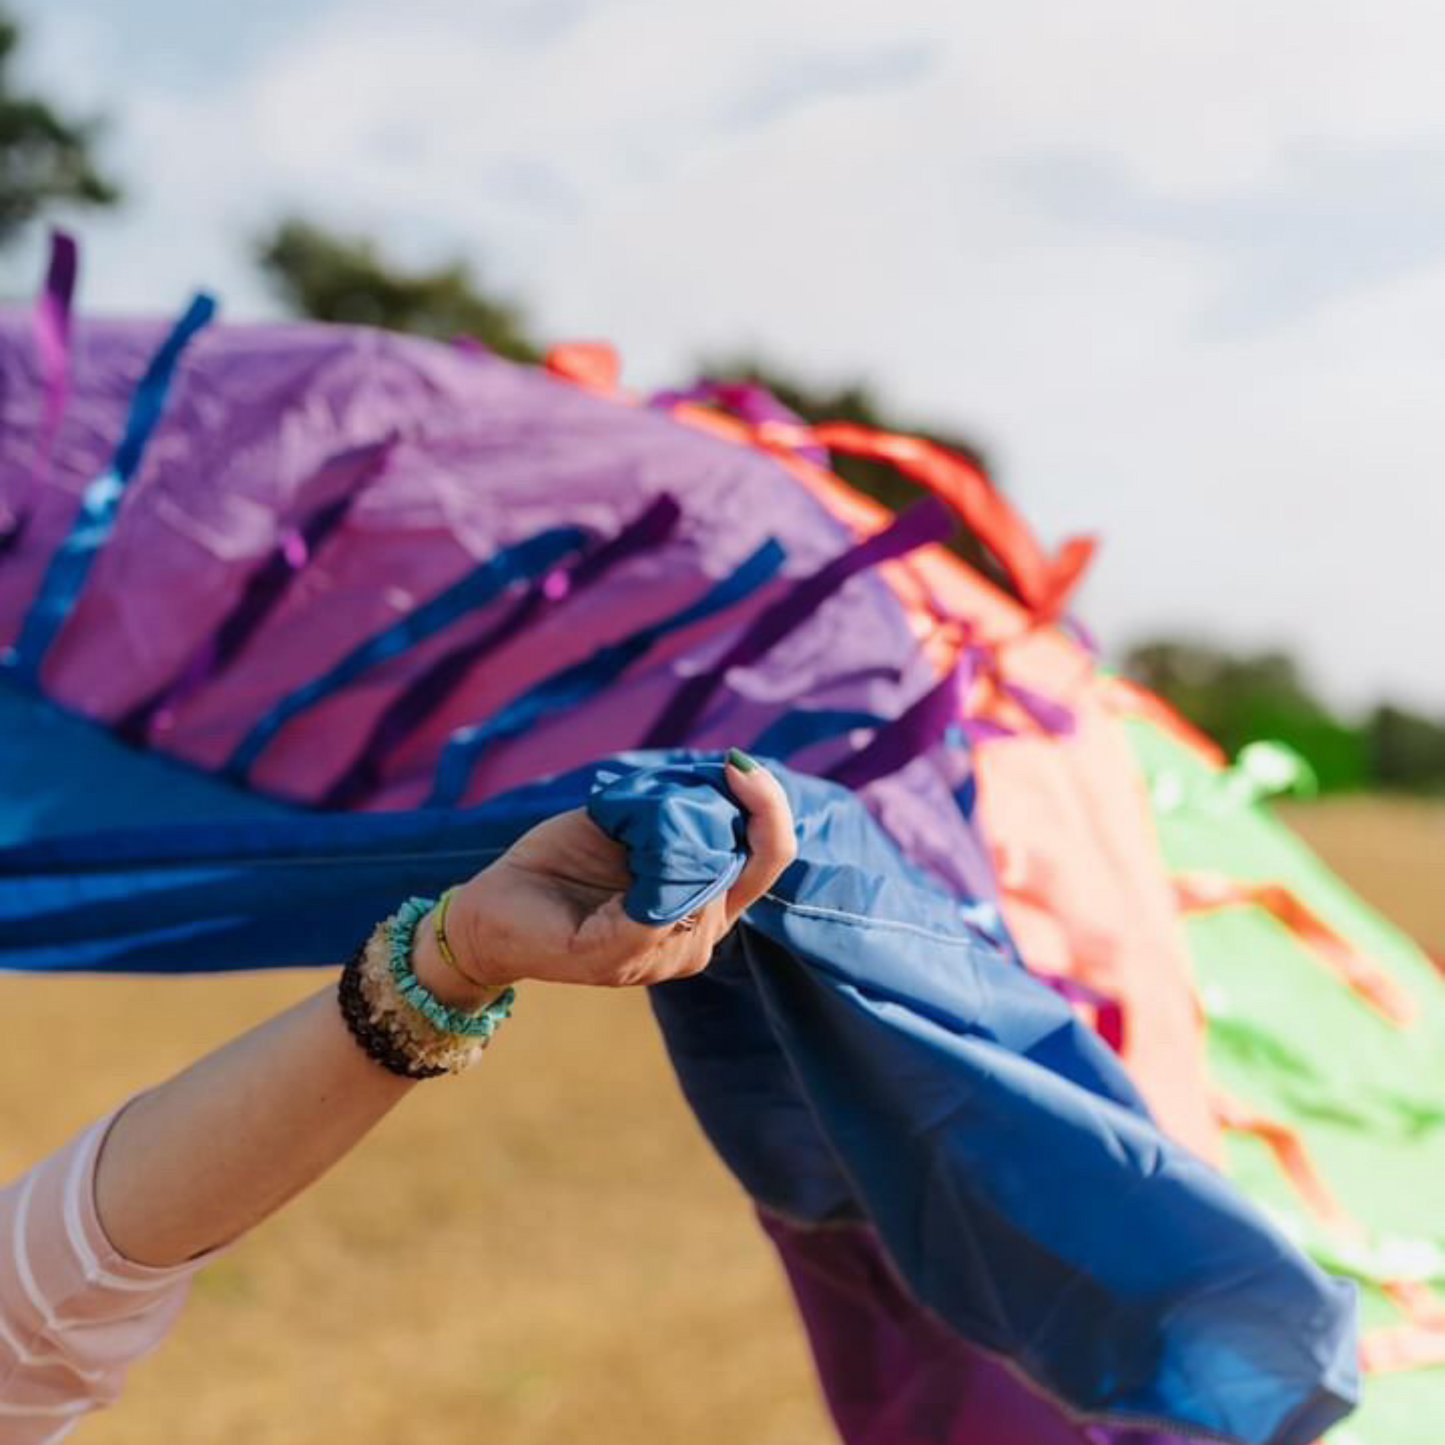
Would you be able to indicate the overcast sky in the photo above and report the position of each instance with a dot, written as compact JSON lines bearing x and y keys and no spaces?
{"x":1180,"y":267}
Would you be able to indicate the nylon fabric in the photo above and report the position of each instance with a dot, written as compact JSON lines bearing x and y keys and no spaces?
{"x":1352,"y":1089}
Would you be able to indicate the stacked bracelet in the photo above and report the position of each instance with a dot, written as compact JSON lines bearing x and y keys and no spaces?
{"x":397,"y":1020}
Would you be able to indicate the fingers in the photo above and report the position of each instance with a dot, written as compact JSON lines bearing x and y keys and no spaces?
{"x":618,"y":952}
{"x":604,"y":946}
{"x":772,"y":843}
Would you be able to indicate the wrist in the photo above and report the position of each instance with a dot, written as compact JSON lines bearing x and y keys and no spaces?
{"x":469,"y":990}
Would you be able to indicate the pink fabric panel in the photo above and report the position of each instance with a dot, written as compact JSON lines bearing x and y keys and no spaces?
{"x":486,"y":454}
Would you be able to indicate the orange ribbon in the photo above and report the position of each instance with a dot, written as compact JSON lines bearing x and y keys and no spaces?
{"x":1289,"y":1153}
{"x":592,"y":365}
{"x":1202,"y":892}
{"x":1419,"y":1340}
{"x":1044,"y":583}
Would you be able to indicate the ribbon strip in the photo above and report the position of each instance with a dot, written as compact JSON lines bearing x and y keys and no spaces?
{"x":801,"y":728}
{"x":51,"y":325}
{"x":1417,"y":1342}
{"x":522,"y":561}
{"x":927,"y":522}
{"x":1393,"y":1348}
{"x":1203,"y":892}
{"x":429,"y":691}
{"x":592,"y":365}
{"x":746,"y":400}
{"x":99,"y":503}
{"x":913,"y":732}
{"x":1043,"y":583}
{"x":264,"y":590}
{"x":1289,"y":1153}
{"x":575,"y":684}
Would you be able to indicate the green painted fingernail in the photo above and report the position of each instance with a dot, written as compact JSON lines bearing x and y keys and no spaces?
{"x":741,"y":761}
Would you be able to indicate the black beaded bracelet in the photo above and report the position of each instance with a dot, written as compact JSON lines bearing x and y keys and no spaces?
{"x":374,"y":1040}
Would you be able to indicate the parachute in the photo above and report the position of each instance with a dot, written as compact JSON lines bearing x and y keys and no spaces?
{"x":342,"y":607}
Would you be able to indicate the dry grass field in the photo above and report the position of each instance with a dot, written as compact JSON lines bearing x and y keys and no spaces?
{"x":543,"y":1252}
{"x":1391,"y":850}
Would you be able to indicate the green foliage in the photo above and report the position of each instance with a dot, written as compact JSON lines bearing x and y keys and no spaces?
{"x":1406,"y":751}
{"x":856,"y":402}
{"x":328,"y":277}
{"x":45,"y":159}
{"x":1237,"y":699}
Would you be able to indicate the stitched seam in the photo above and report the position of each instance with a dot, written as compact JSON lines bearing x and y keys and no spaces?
{"x":862,"y":920}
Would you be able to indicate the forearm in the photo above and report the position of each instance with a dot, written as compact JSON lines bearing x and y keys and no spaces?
{"x":213,"y":1151}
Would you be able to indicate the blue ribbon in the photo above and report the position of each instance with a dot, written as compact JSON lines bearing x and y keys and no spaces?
{"x":575,"y":684}
{"x":520,"y":562}
{"x":99,"y":503}
{"x":803,"y":727}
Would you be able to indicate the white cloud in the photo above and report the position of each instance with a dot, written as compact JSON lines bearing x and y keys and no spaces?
{"x":1182,"y":266}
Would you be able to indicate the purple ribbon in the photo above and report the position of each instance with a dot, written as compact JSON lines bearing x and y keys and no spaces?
{"x":983,"y":730}
{"x":50,"y":327}
{"x":1052,"y":717}
{"x":913,"y":732}
{"x":745,"y":399}
{"x":427,"y":692}
{"x":927,"y":521}
{"x":1079,"y":631}
{"x":51,"y":323}
{"x":265,"y":589}
{"x":12,"y":529}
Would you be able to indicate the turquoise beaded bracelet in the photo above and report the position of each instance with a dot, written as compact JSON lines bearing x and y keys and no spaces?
{"x":480,"y":1024}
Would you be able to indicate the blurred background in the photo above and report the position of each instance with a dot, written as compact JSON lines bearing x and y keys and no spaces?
{"x":1176,"y":273}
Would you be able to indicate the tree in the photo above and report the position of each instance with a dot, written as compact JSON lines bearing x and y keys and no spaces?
{"x":1407,"y":751}
{"x":1239,"y":699}
{"x":330,"y":277}
{"x":45,"y":158}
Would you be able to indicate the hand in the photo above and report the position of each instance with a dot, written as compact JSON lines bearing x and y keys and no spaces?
{"x":551,"y":907}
